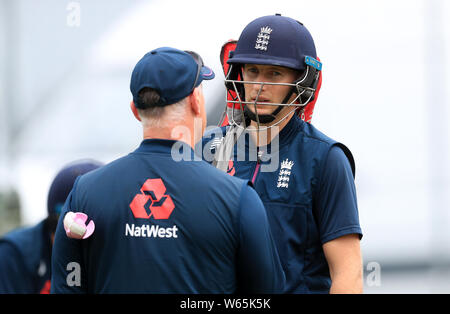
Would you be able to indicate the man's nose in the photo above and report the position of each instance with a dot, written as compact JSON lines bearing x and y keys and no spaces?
{"x":258,"y":84}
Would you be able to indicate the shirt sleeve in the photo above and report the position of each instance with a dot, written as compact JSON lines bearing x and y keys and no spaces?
{"x":336,"y":208}
{"x":14,"y":276}
{"x":68,"y":273}
{"x":259,"y":267}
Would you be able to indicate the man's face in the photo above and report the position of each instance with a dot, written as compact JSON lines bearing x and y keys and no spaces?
{"x":269,"y":93}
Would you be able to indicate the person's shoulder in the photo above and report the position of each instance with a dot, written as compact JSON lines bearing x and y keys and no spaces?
{"x":24,"y":233}
{"x":323,"y":144}
{"x":336,"y":152}
{"x":339,"y":155}
{"x":214,"y":174}
{"x":214,"y":181}
{"x":27,"y":241}
{"x":310,"y":133}
{"x":314,"y":134}
{"x":106,"y":171}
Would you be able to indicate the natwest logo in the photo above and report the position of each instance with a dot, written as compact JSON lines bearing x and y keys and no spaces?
{"x":153,"y":231}
{"x":152,"y":201}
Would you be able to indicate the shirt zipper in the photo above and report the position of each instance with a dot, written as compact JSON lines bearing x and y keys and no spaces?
{"x":256,"y":171}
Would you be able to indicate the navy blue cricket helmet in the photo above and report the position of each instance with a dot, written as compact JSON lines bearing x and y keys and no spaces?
{"x":274,"y":40}
{"x":281,"y":41}
{"x":63,"y":182}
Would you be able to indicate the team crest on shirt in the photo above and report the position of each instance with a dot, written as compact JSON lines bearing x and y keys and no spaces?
{"x":285,"y":173}
{"x":262,"y":40}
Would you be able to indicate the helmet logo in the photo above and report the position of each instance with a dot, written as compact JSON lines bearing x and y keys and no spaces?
{"x":262,"y":40}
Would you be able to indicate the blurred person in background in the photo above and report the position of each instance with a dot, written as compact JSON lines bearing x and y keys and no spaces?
{"x":25,"y":253}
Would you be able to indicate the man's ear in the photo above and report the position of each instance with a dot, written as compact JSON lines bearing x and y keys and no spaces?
{"x":135,"y":111}
{"x":196,"y":101}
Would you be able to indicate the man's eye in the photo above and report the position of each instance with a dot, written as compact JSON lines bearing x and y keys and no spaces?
{"x":276,"y":73}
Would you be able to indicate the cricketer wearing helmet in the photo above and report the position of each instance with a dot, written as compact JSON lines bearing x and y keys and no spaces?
{"x":25,"y":253}
{"x":305,"y":179}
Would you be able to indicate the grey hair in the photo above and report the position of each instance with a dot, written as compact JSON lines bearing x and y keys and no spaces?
{"x":157,"y":116}
{"x":160,"y":117}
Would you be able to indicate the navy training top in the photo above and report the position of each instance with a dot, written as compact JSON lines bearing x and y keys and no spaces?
{"x":306,"y":182}
{"x":25,"y":260}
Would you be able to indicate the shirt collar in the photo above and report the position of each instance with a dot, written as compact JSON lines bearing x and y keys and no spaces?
{"x":283,"y":138}
{"x":163,"y":146}
{"x":290,"y":129}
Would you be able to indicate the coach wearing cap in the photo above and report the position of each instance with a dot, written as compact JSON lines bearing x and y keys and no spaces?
{"x":167,"y":226}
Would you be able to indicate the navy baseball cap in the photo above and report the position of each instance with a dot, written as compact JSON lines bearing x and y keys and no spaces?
{"x":276,"y":40}
{"x":63,"y":182}
{"x":171,"y":72}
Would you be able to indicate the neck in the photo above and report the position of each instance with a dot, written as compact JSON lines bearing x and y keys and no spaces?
{"x":183,"y":131}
